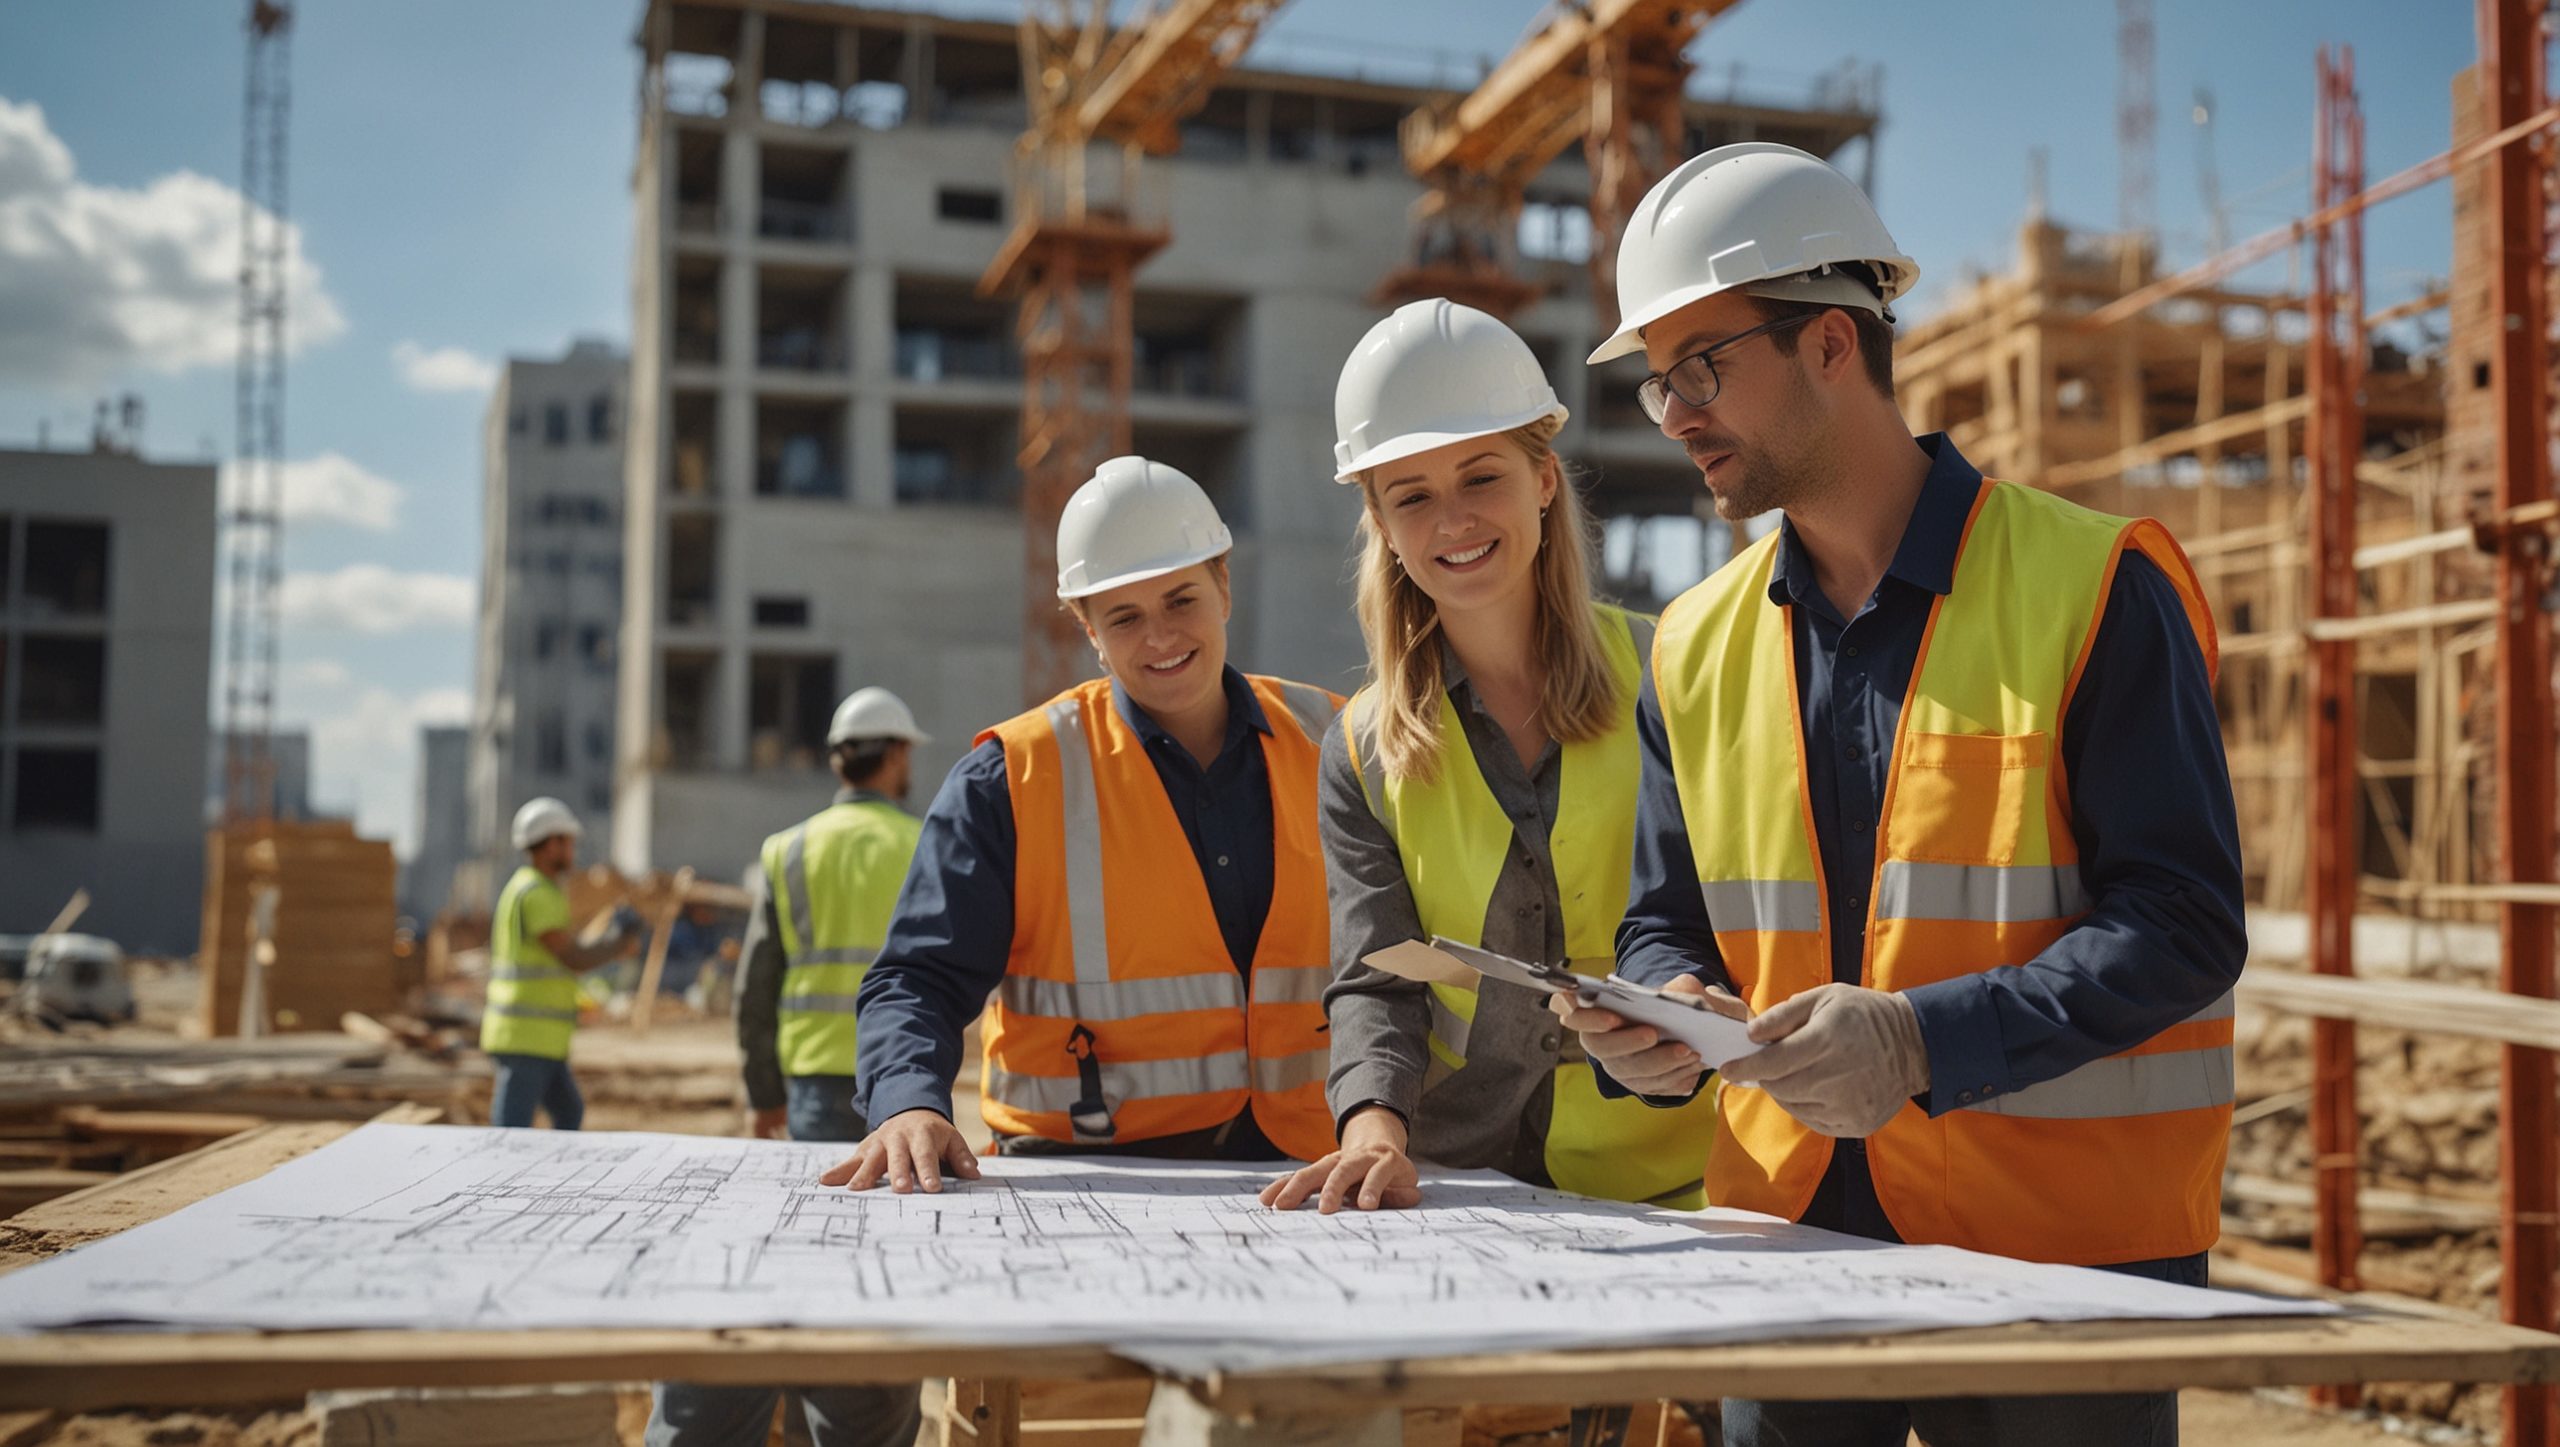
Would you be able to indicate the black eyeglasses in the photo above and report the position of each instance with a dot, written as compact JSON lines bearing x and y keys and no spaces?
{"x":1693,"y":378}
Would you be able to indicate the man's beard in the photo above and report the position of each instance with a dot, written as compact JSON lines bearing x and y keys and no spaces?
{"x":1758,"y":479}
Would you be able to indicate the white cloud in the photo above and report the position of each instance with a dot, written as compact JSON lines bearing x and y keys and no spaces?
{"x":330,"y":488}
{"x":364,"y":751}
{"x":444,"y":369}
{"x":317,"y":673}
{"x":370,"y":598}
{"x":96,"y":280}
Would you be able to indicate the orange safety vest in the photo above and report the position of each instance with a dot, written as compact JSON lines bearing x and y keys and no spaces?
{"x":1121,"y":1017}
{"x":2118,"y":1160}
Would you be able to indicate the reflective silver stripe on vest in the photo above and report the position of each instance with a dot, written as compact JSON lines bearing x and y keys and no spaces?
{"x":1763,"y":905}
{"x":1448,"y":1026}
{"x":527,"y":971}
{"x":533,"y":1012}
{"x":1983,"y":893}
{"x":1310,"y":706}
{"x":818,"y":1004}
{"x":1288,"y":1072}
{"x":1290,"y":985}
{"x":2222,"y":1009}
{"x":1122,"y":1081}
{"x":1121,"y":999}
{"x":1081,"y":810}
{"x":795,"y":882}
{"x":852,"y":955}
{"x":2122,"y":1085}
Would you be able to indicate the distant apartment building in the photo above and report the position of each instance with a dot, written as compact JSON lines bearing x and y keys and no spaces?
{"x":820,"y":472}
{"x":444,"y":821}
{"x":551,"y":587}
{"x":106,"y":657}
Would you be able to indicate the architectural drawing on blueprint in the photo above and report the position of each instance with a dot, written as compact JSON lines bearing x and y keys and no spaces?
{"x":435,"y":1227}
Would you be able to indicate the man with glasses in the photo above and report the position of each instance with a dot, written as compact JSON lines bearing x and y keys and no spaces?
{"x":1932,"y":791}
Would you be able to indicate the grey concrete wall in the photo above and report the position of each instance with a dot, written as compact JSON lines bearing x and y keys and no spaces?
{"x":144,"y":864}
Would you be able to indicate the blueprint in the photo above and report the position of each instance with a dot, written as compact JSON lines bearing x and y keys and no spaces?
{"x":434,"y":1227}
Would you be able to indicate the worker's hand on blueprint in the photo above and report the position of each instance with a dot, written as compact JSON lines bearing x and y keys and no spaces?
{"x":909,"y":1150}
{"x":1636,"y":1056}
{"x":767,"y":1125}
{"x":1841,"y":1059}
{"x":1371,"y":1170}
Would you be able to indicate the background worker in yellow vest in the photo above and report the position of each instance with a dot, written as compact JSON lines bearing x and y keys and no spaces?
{"x":1932,"y":780}
{"x":824,"y":895}
{"x":534,"y":964}
{"x":1481,"y":786}
{"x":1131,"y":872}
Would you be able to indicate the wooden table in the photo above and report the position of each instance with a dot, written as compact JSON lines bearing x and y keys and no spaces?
{"x":1352,"y":1402}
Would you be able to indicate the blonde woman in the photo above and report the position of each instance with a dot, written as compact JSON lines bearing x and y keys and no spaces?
{"x":1481,"y":787}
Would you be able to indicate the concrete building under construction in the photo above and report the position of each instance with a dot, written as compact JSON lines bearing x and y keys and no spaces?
{"x":822,"y":486}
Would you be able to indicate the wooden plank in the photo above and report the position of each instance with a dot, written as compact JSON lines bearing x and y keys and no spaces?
{"x":26,"y":1429}
{"x":35,"y":1185}
{"x":2418,"y":1005}
{"x":161,"y":1127}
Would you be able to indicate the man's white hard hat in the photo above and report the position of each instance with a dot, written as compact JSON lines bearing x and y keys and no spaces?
{"x":1757,"y":217}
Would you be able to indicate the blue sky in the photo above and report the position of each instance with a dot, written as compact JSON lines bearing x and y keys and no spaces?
{"x":460,"y":177}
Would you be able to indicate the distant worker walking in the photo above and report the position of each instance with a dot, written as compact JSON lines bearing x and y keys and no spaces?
{"x":534,"y":964}
{"x":825,"y":894}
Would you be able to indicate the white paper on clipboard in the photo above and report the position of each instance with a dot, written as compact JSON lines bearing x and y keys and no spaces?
{"x":1716,"y":1039}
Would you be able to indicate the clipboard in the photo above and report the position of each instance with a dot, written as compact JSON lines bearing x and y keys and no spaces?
{"x":1679,"y":1017}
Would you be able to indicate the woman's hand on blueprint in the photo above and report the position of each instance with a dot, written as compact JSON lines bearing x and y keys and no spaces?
{"x":1370,"y":1170}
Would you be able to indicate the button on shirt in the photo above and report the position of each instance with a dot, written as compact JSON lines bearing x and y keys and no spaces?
{"x":2151,"y":811}
{"x":952,"y":931}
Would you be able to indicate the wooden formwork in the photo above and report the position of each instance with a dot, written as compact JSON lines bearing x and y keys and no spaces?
{"x":335,"y":914}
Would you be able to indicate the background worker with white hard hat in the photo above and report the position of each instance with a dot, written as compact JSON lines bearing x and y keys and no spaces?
{"x":1481,"y":786}
{"x":1932,"y":779}
{"x":1130,"y":870}
{"x":823,"y":899}
{"x":534,"y":964}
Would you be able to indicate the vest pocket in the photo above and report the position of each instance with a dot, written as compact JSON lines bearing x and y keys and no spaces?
{"x":1962,"y":798}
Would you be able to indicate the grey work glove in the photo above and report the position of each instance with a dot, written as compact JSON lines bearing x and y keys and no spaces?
{"x":1839,"y":1058}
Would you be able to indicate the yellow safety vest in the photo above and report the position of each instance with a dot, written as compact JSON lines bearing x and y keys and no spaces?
{"x":834,"y":878}
{"x":533,"y":998}
{"x":2119,"y":1160}
{"x":1453,"y":837}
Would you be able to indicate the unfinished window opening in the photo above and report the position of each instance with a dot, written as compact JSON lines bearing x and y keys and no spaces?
{"x":946,"y":329}
{"x":802,"y":73}
{"x":66,"y":570}
{"x":800,"y":322}
{"x":693,"y":564}
{"x":975,"y":205}
{"x":684,"y":731}
{"x":600,"y":419}
{"x":790,"y":697}
{"x":698,"y":157}
{"x":595,"y":645}
{"x":555,"y":425}
{"x":551,"y":744}
{"x":599,"y":737}
{"x":56,"y":789}
{"x":1188,"y":346}
{"x":696,"y":77}
{"x":781,"y":611}
{"x":62,"y":681}
{"x":955,"y":457}
{"x":695,"y":318}
{"x":802,"y":194}
{"x":799,"y":449}
{"x":696,"y":444}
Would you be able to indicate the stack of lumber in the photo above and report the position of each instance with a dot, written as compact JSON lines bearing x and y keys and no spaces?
{"x":293,"y":1077}
{"x":335,"y":912}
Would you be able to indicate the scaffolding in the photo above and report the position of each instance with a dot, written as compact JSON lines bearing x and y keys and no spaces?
{"x":2374,"y":529}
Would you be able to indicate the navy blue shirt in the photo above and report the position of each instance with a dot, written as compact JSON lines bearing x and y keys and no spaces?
{"x":952,"y":930}
{"x":2151,"y":810}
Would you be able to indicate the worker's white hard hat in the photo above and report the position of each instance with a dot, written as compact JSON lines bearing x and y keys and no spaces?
{"x":544,"y":818}
{"x":873,"y":713}
{"x":1433,"y":373}
{"x":1757,"y":217}
{"x":1135,"y":520}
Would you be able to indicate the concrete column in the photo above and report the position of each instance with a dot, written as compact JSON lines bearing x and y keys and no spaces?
{"x":870,"y":441}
